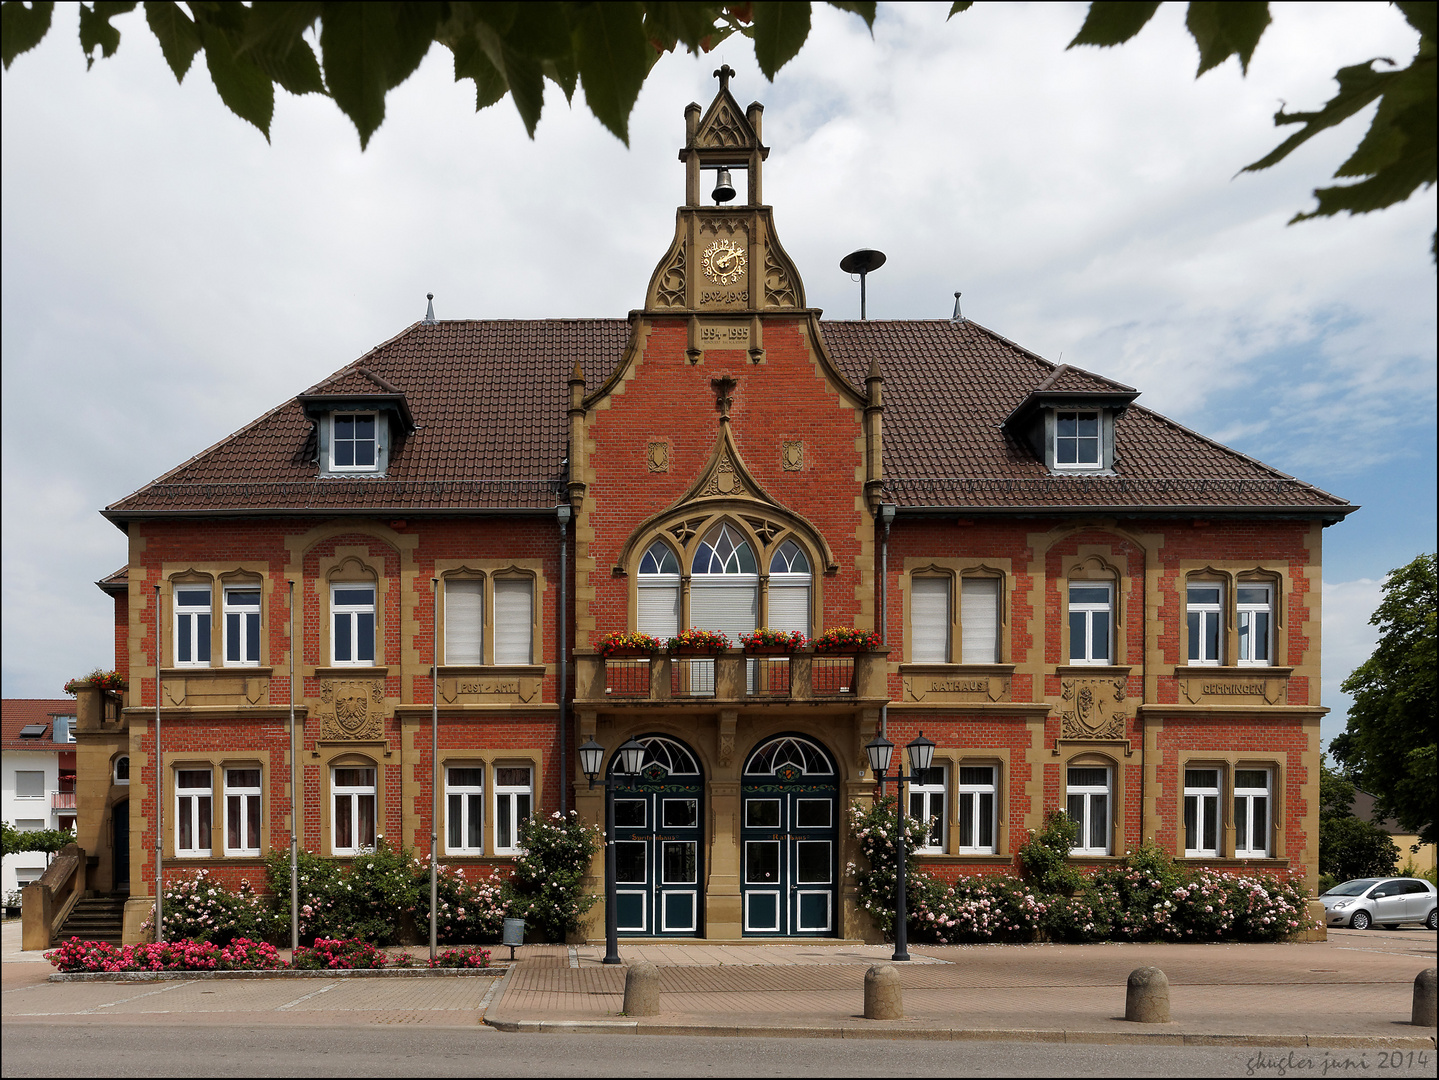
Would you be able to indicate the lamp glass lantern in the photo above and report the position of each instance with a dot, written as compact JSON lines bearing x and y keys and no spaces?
{"x":880,"y":750}
{"x":591,"y":756}
{"x":632,"y":756}
{"x":921,"y":754}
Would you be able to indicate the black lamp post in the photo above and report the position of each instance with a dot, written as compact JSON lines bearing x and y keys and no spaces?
{"x":921,"y":755}
{"x":592,"y":756}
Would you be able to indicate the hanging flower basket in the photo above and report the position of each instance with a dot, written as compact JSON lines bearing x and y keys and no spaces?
{"x":699,"y":643}
{"x":619,"y":645}
{"x":846,"y":639}
{"x":766,"y":642}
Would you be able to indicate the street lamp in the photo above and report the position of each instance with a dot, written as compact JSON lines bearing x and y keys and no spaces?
{"x":592,"y":756}
{"x":921,"y":755}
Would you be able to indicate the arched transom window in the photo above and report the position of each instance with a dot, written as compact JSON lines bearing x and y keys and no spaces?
{"x":789,"y":589}
{"x":724,"y":589}
{"x":668,"y":754}
{"x":658,"y":592}
{"x":792,"y":752}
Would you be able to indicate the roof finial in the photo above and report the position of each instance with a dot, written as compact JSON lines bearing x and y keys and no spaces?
{"x":957,"y":318}
{"x":429,"y":319}
{"x":723,"y":73}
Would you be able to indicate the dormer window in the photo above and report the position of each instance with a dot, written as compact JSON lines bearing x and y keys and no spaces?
{"x":354,"y":442}
{"x":1077,"y":440}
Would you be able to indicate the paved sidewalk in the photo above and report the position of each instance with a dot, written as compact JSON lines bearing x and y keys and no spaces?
{"x":1354,"y":989}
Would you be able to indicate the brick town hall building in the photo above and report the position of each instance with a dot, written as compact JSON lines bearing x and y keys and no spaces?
{"x":1087,"y":606}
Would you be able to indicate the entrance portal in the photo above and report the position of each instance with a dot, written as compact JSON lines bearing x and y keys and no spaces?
{"x":790,"y":835}
{"x":120,"y":835}
{"x":658,"y":841}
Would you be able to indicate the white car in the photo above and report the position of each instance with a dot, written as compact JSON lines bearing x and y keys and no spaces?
{"x":1387,"y":901}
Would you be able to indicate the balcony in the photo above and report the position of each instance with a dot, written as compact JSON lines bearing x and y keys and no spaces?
{"x":62,"y":800}
{"x":732,"y":677}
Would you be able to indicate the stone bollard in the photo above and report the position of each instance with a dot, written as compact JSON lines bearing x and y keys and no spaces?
{"x":1147,"y":998}
{"x":883,"y":999}
{"x":1424,"y":1003}
{"x":642,"y":990}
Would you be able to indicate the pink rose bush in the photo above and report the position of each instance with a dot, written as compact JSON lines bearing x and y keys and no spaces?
{"x":242,"y":954}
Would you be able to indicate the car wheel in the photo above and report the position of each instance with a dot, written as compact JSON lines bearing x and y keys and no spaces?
{"x":1433,"y":921}
{"x":1361,"y":920}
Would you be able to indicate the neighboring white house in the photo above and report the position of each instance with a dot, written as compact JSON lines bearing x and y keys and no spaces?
{"x":37,"y":779}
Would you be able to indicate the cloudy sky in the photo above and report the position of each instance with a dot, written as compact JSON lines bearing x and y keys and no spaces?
{"x":168,"y":276}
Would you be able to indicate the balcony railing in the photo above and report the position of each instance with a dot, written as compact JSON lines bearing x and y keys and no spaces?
{"x":62,"y":800}
{"x":731,"y":676}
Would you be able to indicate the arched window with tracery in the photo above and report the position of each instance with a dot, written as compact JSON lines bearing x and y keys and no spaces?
{"x":789,"y":589}
{"x":658,"y":592}
{"x":724,"y":588}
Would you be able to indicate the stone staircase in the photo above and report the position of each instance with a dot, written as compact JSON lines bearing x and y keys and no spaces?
{"x":95,"y":918}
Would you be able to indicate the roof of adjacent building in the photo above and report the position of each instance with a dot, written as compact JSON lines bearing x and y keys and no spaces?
{"x":22,"y":713}
{"x":489,"y":400}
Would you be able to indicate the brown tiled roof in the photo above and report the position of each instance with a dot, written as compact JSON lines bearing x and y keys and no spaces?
{"x":489,"y":399}
{"x":948,"y":388}
{"x":117,"y":582}
{"x":18,"y":712}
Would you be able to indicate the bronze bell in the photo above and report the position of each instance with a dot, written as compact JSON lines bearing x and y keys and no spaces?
{"x":724,"y":187}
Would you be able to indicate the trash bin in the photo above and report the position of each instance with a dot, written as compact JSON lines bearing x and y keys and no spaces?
{"x":513,"y":934}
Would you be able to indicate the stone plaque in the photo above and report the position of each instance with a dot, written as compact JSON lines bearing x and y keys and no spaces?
{"x":980,"y":689}
{"x":658,"y":457}
{"x":792,"y":456}
{"x":723,"y":335}
{"x":1261,"y":687}
{"x":1092,"y":708}
{"x":481,"y":689}
{"x":355,"y":709}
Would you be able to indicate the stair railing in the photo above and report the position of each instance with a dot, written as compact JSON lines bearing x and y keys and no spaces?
{"x":48,"y":901}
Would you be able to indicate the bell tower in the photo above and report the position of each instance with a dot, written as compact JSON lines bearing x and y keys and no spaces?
{"x":725,"y":270}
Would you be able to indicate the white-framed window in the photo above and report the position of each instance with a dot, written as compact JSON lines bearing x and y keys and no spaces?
{"x":513,"y":795}
{"x":464,"y":620}
{"x":193,"y":812}
{"x":927,"y":806}
{"x":1255,"y":616}
{"x":1252,"y":813}
{"x":29,"y":783}
{"x":352,"y":622}
{"x":242,"y":811}
{"x":514,"y":620}
{"x":978,"y":793}
{"x":242,"y":626}
{"x":1077,"y":443}
{"x":789,"y":589}
{"x":192,"y":626}
{"x":1204,"y":609}
{"x":464,"y":809}
{"x":724,"y":584}
{"x":929,"y":620}
{"x":122,"y":769}
{"x":657,"y":592}
{"x":1088,"y":804}
{"x":979,"y":620}
{"x":354,"y":442}
{"x":352,"y":822}
{"x":1201,"y":812}
{"x":1091,"y":618}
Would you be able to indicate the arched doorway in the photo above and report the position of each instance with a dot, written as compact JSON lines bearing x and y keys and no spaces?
{"x":659,"y":858}
{"x":120,"y":832}
{"x":789,"y":793}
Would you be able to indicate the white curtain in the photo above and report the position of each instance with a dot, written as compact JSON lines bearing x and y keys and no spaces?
{"x":514,"y":620}
{"x":929,"y":620}
{"x":979,"y":621}
{"x":464,"y":621}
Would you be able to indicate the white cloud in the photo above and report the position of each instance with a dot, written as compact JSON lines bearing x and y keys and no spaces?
{"x":1348,"y":640}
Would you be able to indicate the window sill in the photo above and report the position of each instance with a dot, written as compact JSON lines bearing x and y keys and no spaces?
{"x":1193,"y":670}
{"x":215,"y":672}
{"x":460,"y":670}
{"x":956,"y":669}
{"x":379,"y":670}
{"x":1110,"y":670}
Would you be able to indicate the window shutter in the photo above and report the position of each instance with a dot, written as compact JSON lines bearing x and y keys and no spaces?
{"x":929,"y":620}
{"x":659,"y":610}
{"x":514,"y":620}
{"x":732,"y":609}
{"x":789,"y":608}
{"x":979,"y":620}
{"x":464,"y":621}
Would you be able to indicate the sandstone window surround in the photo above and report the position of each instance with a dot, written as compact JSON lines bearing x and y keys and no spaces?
{"x":956,"y":613}
{"x":217,"y":614}
{"x":1253,"y":813}
{"x":1229,"y":807}
{"x":929,"y":808}
{"x":192,"y":624}
{"x":1232,"y":616}
{"x":1201,"y":812}
{"x":514,"y":801}
{"x":243,"y":799}
{"x":1091,"y":622}
{"x":978,"y":818}
{"x":464,"y":809}
{"x":242,"y":618}
{"x":1204,"y":620}
{"x":352,"y":624}
{"x":194,"y":812}
{"x":353,"y":792}
{"x":1089,"y":795}
{"x":489,"y":615}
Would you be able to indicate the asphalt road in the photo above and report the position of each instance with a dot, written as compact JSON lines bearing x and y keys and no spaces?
{"x":149,"y":1050}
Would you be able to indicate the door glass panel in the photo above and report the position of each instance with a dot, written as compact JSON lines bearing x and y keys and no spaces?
{"x":812,"y":862}
{"x":679,"y":862}
{"x":630,"y":861}
{"x":761,"y":862}
{"x":630,"y":813}
{"x":761,"y":813}
{"x":681,"y":813}
{"x":813,"y":813}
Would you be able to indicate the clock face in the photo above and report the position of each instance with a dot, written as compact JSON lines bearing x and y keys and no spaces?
{"x":723,"y":262}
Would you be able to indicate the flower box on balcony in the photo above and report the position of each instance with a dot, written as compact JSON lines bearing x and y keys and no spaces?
{"x":766,"y":642}
{"x":846,"y":640}
{"x":617,"y":645}
{"x":699,"y":643}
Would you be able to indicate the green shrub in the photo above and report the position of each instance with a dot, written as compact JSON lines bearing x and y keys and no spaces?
{"x":199,"y":908}
{"x":548,"y":887}
{"x":372,"y":900}
{"x":1045,"y":855}
{"x":470,"y":912}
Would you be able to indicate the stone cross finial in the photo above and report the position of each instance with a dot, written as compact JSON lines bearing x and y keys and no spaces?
{"x":724,"y":73}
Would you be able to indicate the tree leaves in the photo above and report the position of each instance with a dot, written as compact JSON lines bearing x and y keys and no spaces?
{"x":613,"y":58}
{"x":175,"y":31}
{"x":780,"y":29}
{"x":1112,"y":23}
{"x":1226,"y":29}
{"x":368,"y":50}
{"x":22,"y":28}
{"x":96,"y":31}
